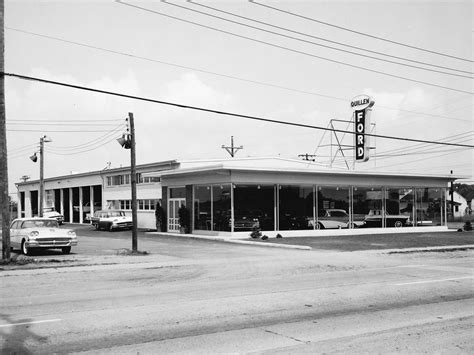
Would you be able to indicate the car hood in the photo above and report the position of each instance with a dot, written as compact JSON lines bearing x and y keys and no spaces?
{"x":48,"y":231}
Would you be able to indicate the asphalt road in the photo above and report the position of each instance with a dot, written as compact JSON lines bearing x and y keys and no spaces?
{"x":196,"y":296}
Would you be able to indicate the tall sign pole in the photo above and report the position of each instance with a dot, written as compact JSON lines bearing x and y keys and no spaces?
{"x":362,"y":106}
{"x":133,"y":180}
{"x":4,"y":200}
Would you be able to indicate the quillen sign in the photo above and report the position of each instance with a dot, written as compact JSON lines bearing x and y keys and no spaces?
{"x":362,"y":106}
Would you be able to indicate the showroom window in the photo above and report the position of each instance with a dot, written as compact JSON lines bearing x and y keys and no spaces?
{"x":295,"y":210}
{"x":202,"y":208}
{"x":254,"y":207}
{"x":332,"y":205}
{"x":368,"y":207}
{"x":221,"y":205}
{"x":429,"y":206}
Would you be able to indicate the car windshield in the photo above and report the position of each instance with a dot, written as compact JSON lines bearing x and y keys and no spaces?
{"x":40,"y":223}
{"x":116,"y":214}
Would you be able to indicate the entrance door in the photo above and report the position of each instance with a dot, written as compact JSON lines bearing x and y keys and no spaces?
{"x":173,"y":217}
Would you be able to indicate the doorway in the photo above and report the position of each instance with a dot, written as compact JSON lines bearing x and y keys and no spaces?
{"x":173,"y":217}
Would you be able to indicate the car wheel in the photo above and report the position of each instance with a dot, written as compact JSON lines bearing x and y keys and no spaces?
{"x":352,"y":225}
{"x":398,"y":224}
{"x":111,"y":227}
{"x":66,"y":250}
{"x":319,"y":225}
{"x":97,"y":227}
{"x":24,"y":248}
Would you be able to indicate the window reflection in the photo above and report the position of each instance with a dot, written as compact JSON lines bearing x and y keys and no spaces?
{"x":333,"y":208}
{"x":221,"y":207}
{"x":254,"y":207}
{"x":202,"y":207}
{"x":295,"y":207}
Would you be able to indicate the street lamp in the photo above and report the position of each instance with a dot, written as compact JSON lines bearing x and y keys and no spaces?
{"x":34,"y":158}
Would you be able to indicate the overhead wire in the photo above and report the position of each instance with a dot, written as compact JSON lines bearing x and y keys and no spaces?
{"x":218,"y":112}
{"x":84,"y":150}
{"x":91,"y":142}
{"x":228,"y":76}
{"x":360,"y":33}
{"x":319,"y":38}
{"x":293,"y":50}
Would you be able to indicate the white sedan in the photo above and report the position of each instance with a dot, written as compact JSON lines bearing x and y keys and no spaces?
{"x":32,"y":233}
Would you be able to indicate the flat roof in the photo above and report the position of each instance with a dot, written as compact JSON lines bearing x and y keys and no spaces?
{"x":103,"y":171}
{"x":283,"y":165}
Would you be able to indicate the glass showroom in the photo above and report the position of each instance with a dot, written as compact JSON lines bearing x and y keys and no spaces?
{"x":271,"y":207}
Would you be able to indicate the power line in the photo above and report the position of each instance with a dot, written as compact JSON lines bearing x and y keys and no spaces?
{"x":360,"y":33}
{"x":62,"y":121}
{"x":225,"y":113}
{"x":83,"y":151}
{"x":226,"y":75}
{"x":294,"y":50}
{"x":56,"y":131}
{"x":460,"y":136}
{"x":89,"y":143}
{"x":314,"y":43}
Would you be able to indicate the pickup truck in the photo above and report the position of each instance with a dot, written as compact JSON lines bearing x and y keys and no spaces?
{"x":374,"y":219}
{"x":111,"y":220}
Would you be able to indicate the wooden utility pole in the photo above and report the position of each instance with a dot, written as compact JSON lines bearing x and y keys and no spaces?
{"x":41,"y":188}
{"x":232,"y":150}
{"x":4,"y":200}
{"x":133,"y":180}
{"x":307,"y":157}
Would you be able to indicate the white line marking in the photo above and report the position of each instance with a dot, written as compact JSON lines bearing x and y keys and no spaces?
{"x":33,"y":322}
{"x":429,"y":281}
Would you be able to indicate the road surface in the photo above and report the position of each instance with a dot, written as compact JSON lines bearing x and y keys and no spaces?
{"x":192,"y":296}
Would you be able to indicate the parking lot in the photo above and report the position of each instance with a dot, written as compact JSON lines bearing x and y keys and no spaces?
{"x":95,"y":243}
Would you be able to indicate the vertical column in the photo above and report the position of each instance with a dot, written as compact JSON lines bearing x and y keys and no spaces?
{"x":19,"y":205}
{"x":232,"y":186}
{"x":80,"y":204}
{"x":27,"y":203}
{"x":70,"y":206}
{"x":61,"y":201}
{"x":91,"y":203}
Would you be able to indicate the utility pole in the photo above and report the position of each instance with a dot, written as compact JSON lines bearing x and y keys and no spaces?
{"x":4,"y":198}
{"x":307,"y":157}
{"x":133,"y":180}
{"x":41,"y":192}
{"x":232,"y":150}
{"x":452,"y":197}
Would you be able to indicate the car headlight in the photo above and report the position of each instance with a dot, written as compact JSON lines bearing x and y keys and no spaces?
{"x":71,"y":234}
{"x":34,"y":234}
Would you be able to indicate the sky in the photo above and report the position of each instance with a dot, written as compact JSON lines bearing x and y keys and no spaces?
{"x":215,"y":64}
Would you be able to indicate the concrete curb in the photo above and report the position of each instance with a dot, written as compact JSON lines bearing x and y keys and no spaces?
{"x":427,"y":249}
{"x":272,"y":245}
{"x":233,"y":240}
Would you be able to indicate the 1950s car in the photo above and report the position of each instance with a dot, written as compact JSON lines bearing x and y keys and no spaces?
{"x":335,"y":218}
{"x":111,"y":220}
{"x":34,"y":233}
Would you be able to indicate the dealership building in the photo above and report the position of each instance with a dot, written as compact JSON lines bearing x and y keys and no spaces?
{"x":231,"y":197}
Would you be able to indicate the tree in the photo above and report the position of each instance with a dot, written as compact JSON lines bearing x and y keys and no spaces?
{"x":184,"y":219}
{"x":160,"y":217}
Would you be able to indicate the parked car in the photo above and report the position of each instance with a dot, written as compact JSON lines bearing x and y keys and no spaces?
{"x":333,"y":218}
{"x":111,"y":220}
{"x":50,"y":212}
{"x":86,"y":207}
{"x":34,"y":233}
{"x":374,"y":219}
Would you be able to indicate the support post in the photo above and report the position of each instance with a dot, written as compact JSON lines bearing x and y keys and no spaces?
{"x":4,"y":198}
{"x":133,"y":180}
